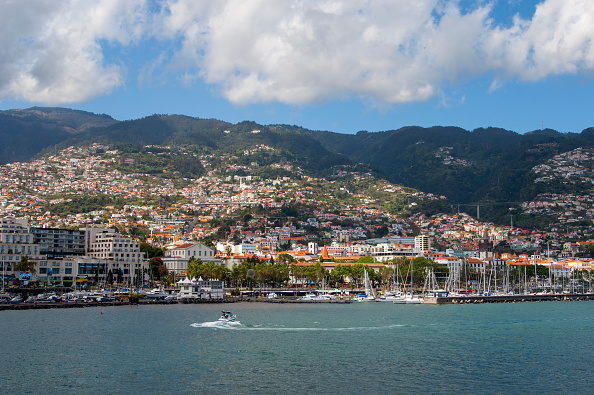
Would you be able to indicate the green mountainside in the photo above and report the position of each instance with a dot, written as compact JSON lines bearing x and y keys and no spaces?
{"x":483,"y":165}
{"x":25,"y":133}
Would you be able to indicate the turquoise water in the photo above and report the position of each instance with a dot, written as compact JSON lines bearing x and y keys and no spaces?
{"x":300,"y":348}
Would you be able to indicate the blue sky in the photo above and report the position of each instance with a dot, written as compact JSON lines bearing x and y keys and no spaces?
{"x":323,"y":64}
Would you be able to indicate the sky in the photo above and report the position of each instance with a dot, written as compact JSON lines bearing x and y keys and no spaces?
{"x":342,"y":66}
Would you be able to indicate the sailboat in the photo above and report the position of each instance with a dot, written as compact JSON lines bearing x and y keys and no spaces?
{"x":369,"y":295}
{"x":431,"y":287}
{"x":394,"y":295}
{"x":410,"y":298}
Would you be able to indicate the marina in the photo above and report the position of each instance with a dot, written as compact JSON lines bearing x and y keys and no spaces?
{"x":309,"y":298}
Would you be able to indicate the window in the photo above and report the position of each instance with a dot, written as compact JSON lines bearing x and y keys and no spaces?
{"x":68,"y":271}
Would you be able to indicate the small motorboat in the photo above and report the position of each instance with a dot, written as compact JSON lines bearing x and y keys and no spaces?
{"x":226,"y":316}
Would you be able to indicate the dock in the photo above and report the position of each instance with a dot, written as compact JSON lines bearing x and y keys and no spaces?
{"x":472,"y":299}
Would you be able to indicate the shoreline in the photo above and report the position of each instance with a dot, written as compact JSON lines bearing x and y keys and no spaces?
{"x":427,"y":301}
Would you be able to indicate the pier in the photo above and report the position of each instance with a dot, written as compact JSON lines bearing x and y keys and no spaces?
{"x":472,"y":299}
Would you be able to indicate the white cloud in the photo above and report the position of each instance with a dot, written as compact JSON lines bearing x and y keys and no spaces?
{"x":306,"y":51}
{"x":51,"y":51}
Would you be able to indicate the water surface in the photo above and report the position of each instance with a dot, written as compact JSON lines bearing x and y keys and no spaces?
{"x":300,"y":348}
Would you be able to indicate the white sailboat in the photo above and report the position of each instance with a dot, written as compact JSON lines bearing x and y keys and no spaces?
{"x":369,"y":295}
{"x":410,"y":298}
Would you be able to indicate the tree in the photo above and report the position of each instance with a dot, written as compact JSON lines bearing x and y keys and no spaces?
{"x":211,"y":271}
{"x":298,"y":273}
{"x":208,"y":243}
{"x":357,"y":272}
{"x":286,"y":258}
{"x":25,"y":265}
{"x":195,"y":268}
{"x":386,"y":274}
{"x":150,"y":250}
{"x":157,"y":268}
{"x":341,"y":272}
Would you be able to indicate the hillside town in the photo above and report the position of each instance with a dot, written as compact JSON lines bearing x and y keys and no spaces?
{"x":229,"y":216}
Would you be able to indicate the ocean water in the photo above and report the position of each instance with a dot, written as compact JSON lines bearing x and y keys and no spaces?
{"x":359,"y":348}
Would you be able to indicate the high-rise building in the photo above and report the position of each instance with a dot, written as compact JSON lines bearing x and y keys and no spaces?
{"x":16,"y":242}
{"x":59,"y":243}
{"x":422,"y":243}
{"x":122,"y":254}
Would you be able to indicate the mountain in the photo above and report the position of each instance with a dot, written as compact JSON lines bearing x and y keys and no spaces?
{"x":213,"y":135}
{"x":483,"y":165}
{"x":25,"y":133}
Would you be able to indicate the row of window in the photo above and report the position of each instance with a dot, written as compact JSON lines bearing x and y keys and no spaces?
{"x":4,"y":249}
{"x":43,"y":270}
{"x":17,"y":239}
{"x":113,"y":245}
{"x":193,"y":253}
{"x":15,"y":258}
{"x":116,"y":255}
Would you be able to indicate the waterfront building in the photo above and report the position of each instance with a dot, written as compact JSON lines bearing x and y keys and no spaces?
{"x":16,"y":241}
{"x":59,"y":243}
{"x":200,"y":289}
{"x":383,"y":251}
{"x":122,"y":254}
{"x":176,"y":259}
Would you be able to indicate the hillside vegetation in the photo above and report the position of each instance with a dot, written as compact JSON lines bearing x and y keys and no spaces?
{"x":484,"y":165}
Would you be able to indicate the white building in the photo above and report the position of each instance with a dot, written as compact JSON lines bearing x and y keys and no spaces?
{"x":16,"y":241}
{"x":176,"y":259}
{"x":422,"y":243}
{"x":122,"y":254}
{"x":200,"y":289}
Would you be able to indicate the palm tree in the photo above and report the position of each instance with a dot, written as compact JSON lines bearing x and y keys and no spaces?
{"x":211,"y":271}
{"x":25,"y":265}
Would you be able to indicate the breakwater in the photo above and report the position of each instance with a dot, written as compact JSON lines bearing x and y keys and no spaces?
{"x":472,"y":299}
{"x":80,"y":304}
{"x":427,"y":300}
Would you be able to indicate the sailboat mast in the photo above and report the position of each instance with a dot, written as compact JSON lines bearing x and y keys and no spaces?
{"x":411,"y":275}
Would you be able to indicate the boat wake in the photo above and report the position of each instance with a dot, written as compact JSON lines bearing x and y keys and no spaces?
{"x":238,"y":326}
{"x":218,"y":325}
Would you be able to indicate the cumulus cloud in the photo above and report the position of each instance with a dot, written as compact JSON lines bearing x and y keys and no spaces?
{"x":306,"y":51}
{"x":52,"y":51}
{"x":391,"y":51}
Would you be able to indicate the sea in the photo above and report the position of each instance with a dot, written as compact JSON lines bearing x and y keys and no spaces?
{"x":357,"y":348}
